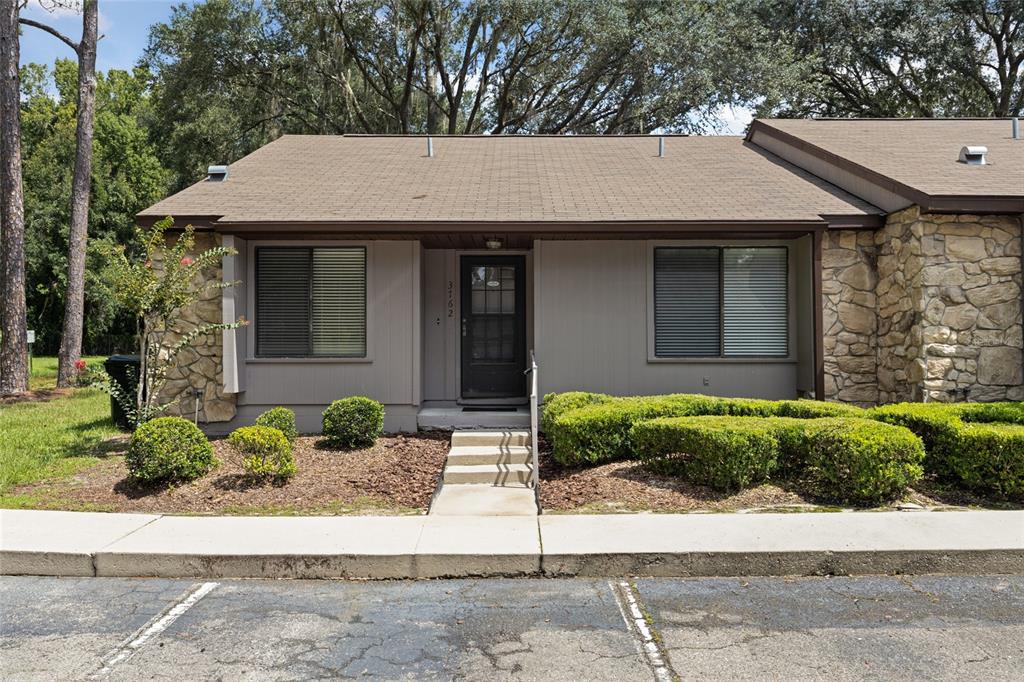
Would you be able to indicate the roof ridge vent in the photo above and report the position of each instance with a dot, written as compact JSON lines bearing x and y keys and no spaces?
{"x":974,"y":155}
{"x":217,"y":173}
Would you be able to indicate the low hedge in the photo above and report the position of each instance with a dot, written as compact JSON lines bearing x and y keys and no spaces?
{"x":168,"y":449}
{"x":842,"y":459}
{"x":557,"y":404}
{"x":354,"y":422}
{"x":1006,"y":412}
{"x":725,"y":453}
{"x":591,"y":428}
{"x":989,"y":458}
{"x":601,"y":432}
{"x":859,"y":460}
{"x":282,"y":419}
{"x":936,"y":424}
{"x":266,"y":451}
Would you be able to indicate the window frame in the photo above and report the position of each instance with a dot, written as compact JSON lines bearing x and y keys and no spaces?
{"x":251,"y":351}
{"x":789,"y":358}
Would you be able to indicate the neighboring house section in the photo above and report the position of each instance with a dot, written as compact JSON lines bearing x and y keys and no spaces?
{"x":929,"y":307}
{"x":777,"y":266}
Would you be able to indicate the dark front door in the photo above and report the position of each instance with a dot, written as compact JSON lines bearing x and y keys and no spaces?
{"x":493,"y":326}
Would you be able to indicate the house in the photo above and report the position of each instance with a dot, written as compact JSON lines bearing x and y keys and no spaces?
{"x":865,"y":261}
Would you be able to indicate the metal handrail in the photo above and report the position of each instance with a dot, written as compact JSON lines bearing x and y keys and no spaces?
{"x":533,"y":417}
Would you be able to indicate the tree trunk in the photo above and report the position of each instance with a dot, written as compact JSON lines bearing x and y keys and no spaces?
{"x":74,"y":297}
{"x":13,"y":344}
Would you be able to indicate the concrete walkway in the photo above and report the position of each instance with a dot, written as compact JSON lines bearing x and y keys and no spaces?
{"x":87,"y":544}
{"x":487,"y":473}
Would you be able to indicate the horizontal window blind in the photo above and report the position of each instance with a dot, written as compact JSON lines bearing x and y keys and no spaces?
{"x":721,"y":302}
{"x":687,"y":319}
{"x":311,"y":302}
{"x":755,"y":309}
{"x":282,"y":302}
{"x":339,"y":302}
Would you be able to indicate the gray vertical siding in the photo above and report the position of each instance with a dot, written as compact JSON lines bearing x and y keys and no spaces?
{"x":389,"y":374}
{"x":440,"y":324}
{"x":591,"y":329}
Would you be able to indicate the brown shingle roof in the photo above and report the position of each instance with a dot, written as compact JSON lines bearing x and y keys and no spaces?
{"x":921,"y":153}
{"x":301,"y":178}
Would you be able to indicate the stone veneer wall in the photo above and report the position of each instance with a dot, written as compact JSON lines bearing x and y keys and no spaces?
{"x":850,"y":323}
{"x":944,"y":293}
{"x":202,"y":366}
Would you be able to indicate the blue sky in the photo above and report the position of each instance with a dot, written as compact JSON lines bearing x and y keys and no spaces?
{"x":124,"y":23}
{"x":125,"y":27}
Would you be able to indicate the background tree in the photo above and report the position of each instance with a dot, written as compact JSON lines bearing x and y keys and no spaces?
{"x":898,"y":58}
{"x":230,"y":75}
{"x":13,"y":345}
{"x":126,"y":177}
{"x":74,"y":295}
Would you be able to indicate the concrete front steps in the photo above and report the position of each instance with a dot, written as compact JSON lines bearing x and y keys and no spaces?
{"x":488,"y":473}
{"x":456,"y":417}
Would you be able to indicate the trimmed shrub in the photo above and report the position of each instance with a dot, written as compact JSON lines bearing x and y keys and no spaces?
{"x":862,"y":461}
{"x":282,"y":419}
{"x":354,"y":422}
{"x":168,"y":449}
{"x":725,"y":453}
{"x":990,"y":458}
{"x":815,"y":409}
{"x":794,"y":444}
{"x":601,"y":433}
{"x":936,"y":424}
{"x":1006,"y":412}
{"x":266,"y":449}
{"x":557,"y":404}
{"x":741,"y":407}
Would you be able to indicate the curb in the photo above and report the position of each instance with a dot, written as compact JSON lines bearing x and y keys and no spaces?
{"x":387,"y":548}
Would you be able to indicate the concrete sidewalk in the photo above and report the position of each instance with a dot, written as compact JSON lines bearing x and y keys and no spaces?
{"x":90,"y":544}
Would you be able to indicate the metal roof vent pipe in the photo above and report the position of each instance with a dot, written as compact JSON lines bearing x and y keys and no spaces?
{"x":661,"y":147}
{"x":1015,"y":123}
{"x":974,"y":156}
{"x":430,"y":146}
{"x":217,"y":173}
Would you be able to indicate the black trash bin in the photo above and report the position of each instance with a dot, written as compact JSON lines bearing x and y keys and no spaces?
{"x":124,"y":371}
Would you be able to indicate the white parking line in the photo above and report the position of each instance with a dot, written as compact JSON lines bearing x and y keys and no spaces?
{"x":646,"y":643}
{"x":154,"y":627}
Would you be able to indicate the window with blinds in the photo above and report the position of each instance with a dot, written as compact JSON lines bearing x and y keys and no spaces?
{"x":721,"y":302}
{"x":310,"y":302}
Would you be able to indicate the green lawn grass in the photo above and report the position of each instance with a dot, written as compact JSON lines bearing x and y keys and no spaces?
{"x":44,"y":370}
{"x":52,"y":438}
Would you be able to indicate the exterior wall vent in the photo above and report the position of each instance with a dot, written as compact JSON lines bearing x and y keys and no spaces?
{"x":217,"y":173}
{"x":974,"y":156}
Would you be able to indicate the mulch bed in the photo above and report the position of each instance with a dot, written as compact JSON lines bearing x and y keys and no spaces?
{"x":629,"y":486}
{"x":620,"y":487}
{"x":397,"y":475}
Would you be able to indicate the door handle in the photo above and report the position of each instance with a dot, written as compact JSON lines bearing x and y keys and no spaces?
{"x":463,"y":327}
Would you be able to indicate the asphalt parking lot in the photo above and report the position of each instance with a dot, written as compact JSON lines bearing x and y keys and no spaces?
{"x":927,"y":628}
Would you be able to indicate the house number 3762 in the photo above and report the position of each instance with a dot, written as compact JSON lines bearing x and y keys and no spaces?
{"x":451,"y":298}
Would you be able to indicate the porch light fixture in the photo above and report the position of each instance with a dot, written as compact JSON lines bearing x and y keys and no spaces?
{"x":493,"y":244}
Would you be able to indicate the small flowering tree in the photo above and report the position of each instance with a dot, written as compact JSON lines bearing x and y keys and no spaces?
{"x":155,"y":289}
